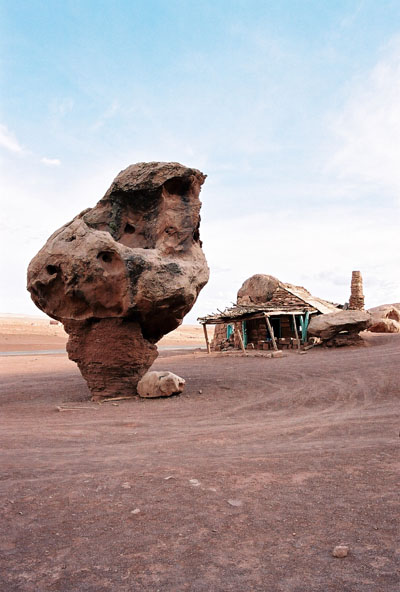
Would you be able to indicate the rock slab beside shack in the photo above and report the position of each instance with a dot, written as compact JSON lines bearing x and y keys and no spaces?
{"x":340,"y":328}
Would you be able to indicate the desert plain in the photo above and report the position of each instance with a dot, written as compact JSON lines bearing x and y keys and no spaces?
{"x":245,"y":482}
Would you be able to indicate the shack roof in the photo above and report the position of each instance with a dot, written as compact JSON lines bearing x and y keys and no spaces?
{"x":287,"y":299}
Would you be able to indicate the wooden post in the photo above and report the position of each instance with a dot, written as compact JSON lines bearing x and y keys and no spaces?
{"x":241,"y":341}
{"x":271,"y":332}
{"x":306,"y":323}
{"x":206,"y":338}
{"x":296,"y":332}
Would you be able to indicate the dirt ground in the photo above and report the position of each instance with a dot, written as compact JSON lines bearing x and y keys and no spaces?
{"x":28,"y":333}
{"x":244,"y":483}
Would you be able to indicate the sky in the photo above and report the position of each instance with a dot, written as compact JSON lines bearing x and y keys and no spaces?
{"x":291,"y":108}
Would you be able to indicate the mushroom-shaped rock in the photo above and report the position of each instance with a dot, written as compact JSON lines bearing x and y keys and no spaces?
{"x":348,"y":322}
{"x":257,"y":289}
{"x":160,"y":384}
{"x":124,"y":273}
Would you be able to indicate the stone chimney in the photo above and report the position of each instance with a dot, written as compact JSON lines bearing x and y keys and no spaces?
{"x":357,"y":295}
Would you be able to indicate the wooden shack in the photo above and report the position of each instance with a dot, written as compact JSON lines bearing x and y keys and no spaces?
{"x":281,"y":321}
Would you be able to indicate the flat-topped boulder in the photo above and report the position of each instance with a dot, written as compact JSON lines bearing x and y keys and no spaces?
{"x":343,"y":326}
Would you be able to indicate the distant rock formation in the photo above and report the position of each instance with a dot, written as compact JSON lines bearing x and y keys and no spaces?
{"x":385,"y":318}
{"x":356,"y":301}
{"x":340,"y":328}
{"x":124,"y":273}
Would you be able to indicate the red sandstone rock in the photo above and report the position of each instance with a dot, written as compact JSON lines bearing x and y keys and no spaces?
{"x":386,"y":311}
{"x":257,"y":289}
{"x":124,"y":273}
{"x":111,"y":354}
{"x":384,"y":325}
{"x":340,"y":328}
{"x":385,"y":319}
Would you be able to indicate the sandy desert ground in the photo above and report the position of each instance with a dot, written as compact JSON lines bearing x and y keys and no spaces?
{"x":245,"y":482}
{"x":35,"y":333}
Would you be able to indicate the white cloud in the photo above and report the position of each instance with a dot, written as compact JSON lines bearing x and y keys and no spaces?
{"x":368,"y":128}
{"x":51,"y":162}
{"x":9,"y":141}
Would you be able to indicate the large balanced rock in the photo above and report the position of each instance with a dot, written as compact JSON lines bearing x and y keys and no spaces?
{"x":340,"y":328}
{"x":124,"y":273}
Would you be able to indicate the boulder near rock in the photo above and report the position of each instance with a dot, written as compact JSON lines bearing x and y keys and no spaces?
{"x":160,"y":384}
{"x":124,"y":273}
{"x":344,"y":326}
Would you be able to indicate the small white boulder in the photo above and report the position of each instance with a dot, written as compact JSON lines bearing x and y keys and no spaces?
{"x":340,"y":551}
{"x":160,"y":384}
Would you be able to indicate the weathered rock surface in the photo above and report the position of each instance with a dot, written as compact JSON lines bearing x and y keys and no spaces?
{"x":160,"y":384}
{"x":384,"y":326}
{"x":340,"y":328}
{"x":124,"y":273}
{"x":257,"y":289}
{"x":340,"y":551}
{"x":385,"y":319}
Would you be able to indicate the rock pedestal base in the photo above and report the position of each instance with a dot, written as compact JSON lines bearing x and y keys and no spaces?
{"x":111,"y":354}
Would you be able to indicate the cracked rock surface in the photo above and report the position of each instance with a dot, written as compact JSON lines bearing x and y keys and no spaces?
{"x":124,"y":273}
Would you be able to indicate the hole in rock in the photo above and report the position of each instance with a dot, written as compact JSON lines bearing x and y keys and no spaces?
{"x":129,"y":229}
{"x":51,"y":269}
{"x":70,"y":239}
{"x":105,"y":256}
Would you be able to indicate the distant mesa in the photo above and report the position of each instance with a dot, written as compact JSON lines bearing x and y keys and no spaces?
{"x":124,"y":273}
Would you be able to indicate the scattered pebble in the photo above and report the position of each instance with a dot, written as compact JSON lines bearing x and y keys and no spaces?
{"x":340,"y":551}
{"x":233,"y":502}
{"x":200,"y":392}
{"x":125,"y":486}
{"x":168,"y":478}
{"x":135,"y":511}
{"x":194,"y":482}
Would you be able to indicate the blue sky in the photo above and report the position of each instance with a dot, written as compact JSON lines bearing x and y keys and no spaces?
{"x":291,"y":108}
